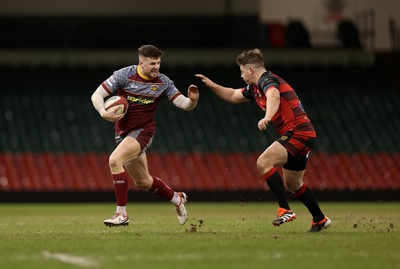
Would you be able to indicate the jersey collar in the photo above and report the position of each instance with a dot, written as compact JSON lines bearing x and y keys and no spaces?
{"x":143,"y":75}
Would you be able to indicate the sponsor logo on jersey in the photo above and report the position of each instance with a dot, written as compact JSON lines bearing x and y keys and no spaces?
{"x":141,"y":100}
{"x":265,"y":80}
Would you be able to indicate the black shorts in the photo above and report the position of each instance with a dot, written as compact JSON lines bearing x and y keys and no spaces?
{"x":298,"y":148}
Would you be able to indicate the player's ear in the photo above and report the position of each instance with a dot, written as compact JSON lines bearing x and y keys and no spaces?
{"x":141,"y":59}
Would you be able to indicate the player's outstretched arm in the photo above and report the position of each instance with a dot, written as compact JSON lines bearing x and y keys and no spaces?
{"x":230,"y":95}
{"x":190,"y":102}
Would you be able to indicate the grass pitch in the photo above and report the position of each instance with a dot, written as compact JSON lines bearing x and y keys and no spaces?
{"x":217,"y":235}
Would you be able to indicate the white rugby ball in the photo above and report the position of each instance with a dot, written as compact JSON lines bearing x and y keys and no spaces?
{"x":117,"y":101}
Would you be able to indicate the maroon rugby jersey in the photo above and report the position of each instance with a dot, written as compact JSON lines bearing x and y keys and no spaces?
{"x":143,"y":95}
{"x":290,"y":116}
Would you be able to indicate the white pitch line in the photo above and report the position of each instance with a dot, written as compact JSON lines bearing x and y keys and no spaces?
{"x":77,"y":260}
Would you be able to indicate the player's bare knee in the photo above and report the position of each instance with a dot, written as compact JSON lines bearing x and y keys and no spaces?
{"x":263,"y":165}
{"x":290,"y":187}
{"x":114,"y":163}
{"x":293,"y":186}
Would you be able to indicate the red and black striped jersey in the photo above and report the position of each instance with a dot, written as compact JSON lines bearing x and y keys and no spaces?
{"x":290,"y":116}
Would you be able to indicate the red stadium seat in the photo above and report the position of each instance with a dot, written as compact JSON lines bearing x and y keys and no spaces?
{"x":194,"y":171}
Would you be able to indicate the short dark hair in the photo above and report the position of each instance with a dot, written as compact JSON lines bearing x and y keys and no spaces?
{"x":150,"y":51}
{"x":253,"y":56}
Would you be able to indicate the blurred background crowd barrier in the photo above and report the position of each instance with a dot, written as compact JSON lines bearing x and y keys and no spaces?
{"x":53,"y":142}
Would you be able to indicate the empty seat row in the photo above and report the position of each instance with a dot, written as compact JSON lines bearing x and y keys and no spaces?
{"x":213,"y":171}
{"x":46,"y":115}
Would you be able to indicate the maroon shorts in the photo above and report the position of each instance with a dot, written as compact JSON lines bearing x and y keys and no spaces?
{"x":298,"y":148}
{"x":143,"y":136}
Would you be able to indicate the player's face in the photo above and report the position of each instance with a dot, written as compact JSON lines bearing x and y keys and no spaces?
{"x":150,"y":66}
{"x":246,"y":73}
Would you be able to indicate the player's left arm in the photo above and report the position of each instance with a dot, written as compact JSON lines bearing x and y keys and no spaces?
{"x":273,"y":102}
{"x":190,"y":102}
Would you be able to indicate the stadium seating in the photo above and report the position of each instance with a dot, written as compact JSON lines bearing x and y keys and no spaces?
{"x":52,"y":139}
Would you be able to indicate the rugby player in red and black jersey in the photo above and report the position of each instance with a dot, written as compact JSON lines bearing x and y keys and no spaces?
{"x":143,"y":86}
{"x":290,"y":151}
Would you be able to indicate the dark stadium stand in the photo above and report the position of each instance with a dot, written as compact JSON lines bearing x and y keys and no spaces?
{"x":52,"y":139}
{"x":105,"y":32}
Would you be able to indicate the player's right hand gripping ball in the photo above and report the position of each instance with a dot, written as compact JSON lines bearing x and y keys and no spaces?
{"x":117,"y":101}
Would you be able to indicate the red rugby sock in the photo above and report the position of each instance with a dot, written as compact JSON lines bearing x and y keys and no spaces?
{"x":121,"y":188}
{"x":161,"y":189}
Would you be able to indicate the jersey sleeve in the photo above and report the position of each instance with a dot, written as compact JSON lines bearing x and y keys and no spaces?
{"x":247,"y":93}
{"x":171,"y":92}
{"x":266,"y":82}
{"x":116,"y":80}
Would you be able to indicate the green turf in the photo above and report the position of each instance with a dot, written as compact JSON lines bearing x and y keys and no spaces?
{"x":217,"y":235}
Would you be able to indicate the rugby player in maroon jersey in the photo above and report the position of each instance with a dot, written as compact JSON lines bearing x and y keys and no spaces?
{"x":143,"y":86}
{"x":290,"y":151}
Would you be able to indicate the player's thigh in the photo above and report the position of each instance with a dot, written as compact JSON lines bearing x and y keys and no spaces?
{"x":274,"y":155}
{"x":128,"y":149}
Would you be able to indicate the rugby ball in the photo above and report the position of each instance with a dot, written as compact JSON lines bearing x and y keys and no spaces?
{"x":117,"y":101}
